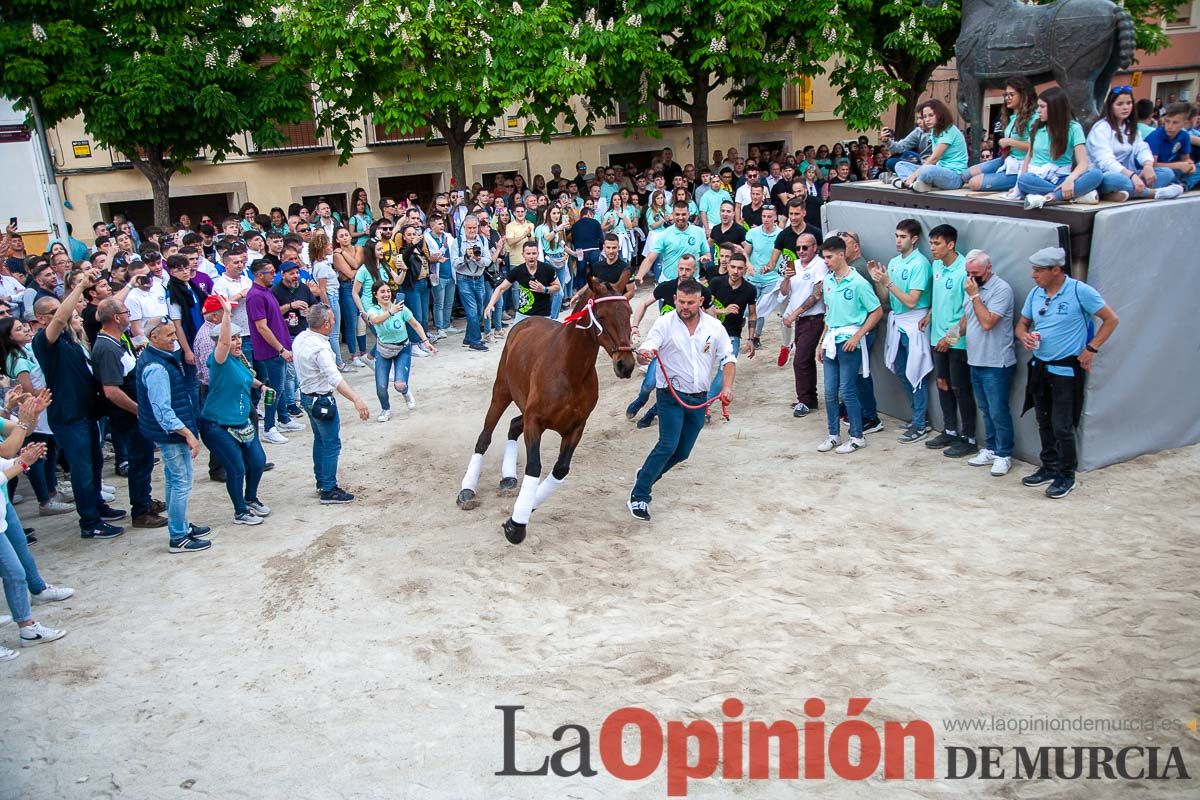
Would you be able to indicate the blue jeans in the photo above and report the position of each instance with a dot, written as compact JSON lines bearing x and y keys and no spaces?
{"x":273,"y":372}
{"x":715,"y":389}
{"x":474,"y":296}
{"x":558,"y":298}
{"x":995,"y":179}
{"x":243,"y":461}
{"x":334,"y":290}
{"x":647,"y":387}
{"x":991,"y":387}
{"x":395,"y":369}
{"x":1189,"y":181}
{"x":349,"y":318}
{"x":177,"y":475}
{"x":417,"y":300}
{"x":81,"y":441}
{"x":496,"y":321}
{"x":1117,"y":182}
{"x":866,"y":386}
{"x":141,"y":469}
{"x":677,"y":431}
{"x":918,"y":394}
{"x":17,"y":567}
{"x":935,"y":175}
{"x":43,"y":476}
{"x":1035,"y":184}
{"x":841,"y":378}
{"x":908,"y":155}
{"x":327,"y":445}
{"x":443,"y":302}
{"x":291,"y":394}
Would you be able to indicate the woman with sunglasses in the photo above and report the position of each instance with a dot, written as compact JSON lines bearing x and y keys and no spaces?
{"x":393,"y":351}
{"x":1118,"y":150}
{"x":1000,"y":174}
{"x":1057,"y":168}
{"x":226,"y":426}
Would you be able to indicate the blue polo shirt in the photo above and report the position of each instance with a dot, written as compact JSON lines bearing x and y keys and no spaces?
{"x":673,"y":243}
{"x":1166,"y":150}
{"x":948,"y":296}
{"x":1064,"y":325}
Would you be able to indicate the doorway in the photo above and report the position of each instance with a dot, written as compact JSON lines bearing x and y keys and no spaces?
{"x":400,"y":187}
{"x":141,"y":212}
{"x":640,"y":159}
{"x":337,"y":203}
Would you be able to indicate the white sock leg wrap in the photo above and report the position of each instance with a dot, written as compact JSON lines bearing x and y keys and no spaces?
{"x":524,"y":504}
{"x":545,"y":489}
{"x":471,"y":479}
{"x":508,"y":467}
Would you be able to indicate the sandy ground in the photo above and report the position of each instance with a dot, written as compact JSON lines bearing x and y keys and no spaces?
{"x":359,"y":651}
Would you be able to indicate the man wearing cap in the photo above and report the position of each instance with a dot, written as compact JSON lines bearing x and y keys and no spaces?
{"x":1056,"y":326}
{"x":169,"y":418}
{"x":271,"y":347}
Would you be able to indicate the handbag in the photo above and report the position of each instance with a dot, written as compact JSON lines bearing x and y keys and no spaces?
{"x":324,"y":408}
{"x":241,"y":433}
{"x":389,"y":351}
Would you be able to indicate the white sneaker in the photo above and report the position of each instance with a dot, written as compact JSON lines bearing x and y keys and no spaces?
{"x":54,"y":507}
{"x":273,"y":436}
{"x":982,"y":458}
{"x":852,"y":444}
{"x":419,"y":352}
{"x":258,"y":509}
{"x":62,"y":496}
{"x":7,"y":653}
{"x":453,"y":329}
{"x":829,"y":443}
{"x":104,"y":487}
{"x":1013,"y":194}
{"x":410,"y":400}
{"x":290,"y":425}
{"x":359,"y":362}
{"x":107,"y":497}
{"x":1090,"y":199}
{"x":1168,"y":192}
{"x":1034,"y":201}
{"x":384,"y":417}
{"x":51,"y":594}
{"x":17,"y":499}
{"x":1001,"y":465}
{"x":37,"y":633}
{"x":921,"y":186}
{"x":1115,"y":197}
{"x":5,"y":619}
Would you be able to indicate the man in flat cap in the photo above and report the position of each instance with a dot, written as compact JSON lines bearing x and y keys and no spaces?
{"x":1056,"y":326}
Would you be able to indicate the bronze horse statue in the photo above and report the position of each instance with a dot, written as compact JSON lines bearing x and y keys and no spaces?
{"x":1080,"y":44}
{"x":549,"y":370}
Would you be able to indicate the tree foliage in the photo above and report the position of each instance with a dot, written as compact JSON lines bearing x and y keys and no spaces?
{"x":446,"y":68}
{"x":156,"y":80}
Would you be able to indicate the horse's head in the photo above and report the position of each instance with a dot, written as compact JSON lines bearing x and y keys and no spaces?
{"x":611,"y":308}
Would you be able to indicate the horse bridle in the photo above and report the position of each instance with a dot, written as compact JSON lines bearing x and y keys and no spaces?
{"x":589,"y":310}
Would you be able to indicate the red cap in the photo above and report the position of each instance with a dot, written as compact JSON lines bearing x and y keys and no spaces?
{"x":213,"y":303}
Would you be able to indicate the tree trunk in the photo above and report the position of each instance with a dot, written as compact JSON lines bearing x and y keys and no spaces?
{"x":699,"y":115}
{"x":458,"y":162}
{"x":915,"y":77}
{"x":159,"y":176}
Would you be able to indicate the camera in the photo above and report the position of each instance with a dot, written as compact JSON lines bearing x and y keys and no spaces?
{"x":475,"y":252}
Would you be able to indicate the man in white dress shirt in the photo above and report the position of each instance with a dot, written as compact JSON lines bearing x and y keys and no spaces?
{"x":689,"y":345}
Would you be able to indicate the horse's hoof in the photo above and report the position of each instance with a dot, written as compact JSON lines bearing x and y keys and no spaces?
{"x":513,"y":531}
{"x":508,"y":486}
{"x":467,"y":500}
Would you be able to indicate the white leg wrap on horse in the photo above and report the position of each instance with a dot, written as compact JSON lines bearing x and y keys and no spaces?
{"x":471,"y":479}
{"x":524,"y":505}
{"x":545,"y":489}
{"x":508,"y":467}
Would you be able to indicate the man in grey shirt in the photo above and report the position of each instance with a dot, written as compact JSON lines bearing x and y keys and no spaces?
{"x":472,"y":259}
{"x":987,"y":322}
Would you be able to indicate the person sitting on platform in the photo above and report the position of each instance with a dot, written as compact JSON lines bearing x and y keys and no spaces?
{"x":1116,"y":148}
{"x":1056,"y":168}
{"x":912,"y":148}
{"x":1146,"y":124}
{"x":1000,"y":173}
{"x":944,"y":167}
{"x":1172,"y":146}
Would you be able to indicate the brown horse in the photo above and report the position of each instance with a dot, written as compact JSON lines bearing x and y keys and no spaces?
{"x":549,"y":370}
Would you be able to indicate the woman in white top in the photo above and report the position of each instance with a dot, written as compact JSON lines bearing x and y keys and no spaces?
{"x":616,"y":220}
{"x":1117,"y":149}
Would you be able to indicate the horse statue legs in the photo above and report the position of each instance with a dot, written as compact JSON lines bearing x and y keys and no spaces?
{"x":534,"y":491}
{"x":970,"y":104}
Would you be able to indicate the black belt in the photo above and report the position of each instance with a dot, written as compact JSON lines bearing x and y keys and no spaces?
{"x":314,"y":394}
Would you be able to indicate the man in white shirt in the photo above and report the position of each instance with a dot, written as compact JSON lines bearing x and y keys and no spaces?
{"x":319,"y":378}
{"x":234,"y":284}
{"x":146,"y":300}
{"x":689,"y":345}
{"x":803,"y":286}
{"x":325,"y":220}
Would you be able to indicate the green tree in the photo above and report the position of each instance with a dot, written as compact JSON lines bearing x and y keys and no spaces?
{"x":675,"y":53}
{"x":159,"y":81}
{"x":448,"y":68}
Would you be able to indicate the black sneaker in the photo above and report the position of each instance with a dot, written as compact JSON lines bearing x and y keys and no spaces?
{"x":336,"y":496}
{"x":913,"y":434}
{"x":217,"y":475}
{"x":960,"y":449}
{"x":188,"y":545}
{"x":103,"y":531}
{"x":199,"y":531}
{"x":640,"y":510}
{"x":800,"y":410}
{"x":940,"y":441}
{"x":1040,"y":478}
{"x":648,"y":420}
{"x":267,"y":467}
{"x":479,"y":347}
{"x":872,"y":425}
{"x":123,"y":469}
{"x":1060,"y":488}
{"x":108,"y":513}
{"x":30,"y":538}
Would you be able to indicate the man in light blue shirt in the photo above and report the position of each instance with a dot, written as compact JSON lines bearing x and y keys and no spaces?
{"x":710,"y":203}
{"x":609,"y":186}
{"x":674,"y":242}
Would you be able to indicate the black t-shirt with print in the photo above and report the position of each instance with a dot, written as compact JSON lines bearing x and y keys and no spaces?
{"x":532,"y":304}
{"x":115,"y":365}
{"x":664,"y":293}
{"x":735,"y":235}
{"x":752,"y":216}
{"x":725,"y":295}
{"x":787,"y":237}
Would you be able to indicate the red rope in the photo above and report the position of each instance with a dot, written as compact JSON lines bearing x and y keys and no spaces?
{"x":704,"y":405}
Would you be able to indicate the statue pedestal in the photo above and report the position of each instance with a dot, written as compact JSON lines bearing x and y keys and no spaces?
{"x":1142,"y":391}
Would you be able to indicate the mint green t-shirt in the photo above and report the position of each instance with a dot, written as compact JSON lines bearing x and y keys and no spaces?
{"x":394,"y":329}
{"x":848,"y":301}
{"x":908,"y":273}
{"x":542,"y":232}
{"x":955,"y":155}
{"x":363,"y":276}
{"x":761,"y":246}
{"x":1041,"y":147}
{"x":948,"y":295}
{"x":673,"y":243}
{"x":617,"y":219}
{"x":710,"y":204}
{"x":1010,"y":133}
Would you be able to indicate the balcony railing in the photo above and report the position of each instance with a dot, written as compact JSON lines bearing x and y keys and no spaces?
{"x":795,"y":98}
{"x":299,"y":137}
{"x":668,"y":116}
{"x":120,"y":161}
{"x":378,"y":134}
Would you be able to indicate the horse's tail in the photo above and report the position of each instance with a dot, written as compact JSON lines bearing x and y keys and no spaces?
{"x":1126,"y":37}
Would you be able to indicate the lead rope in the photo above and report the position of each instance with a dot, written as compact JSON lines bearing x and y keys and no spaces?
{"x":704,"y":405}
